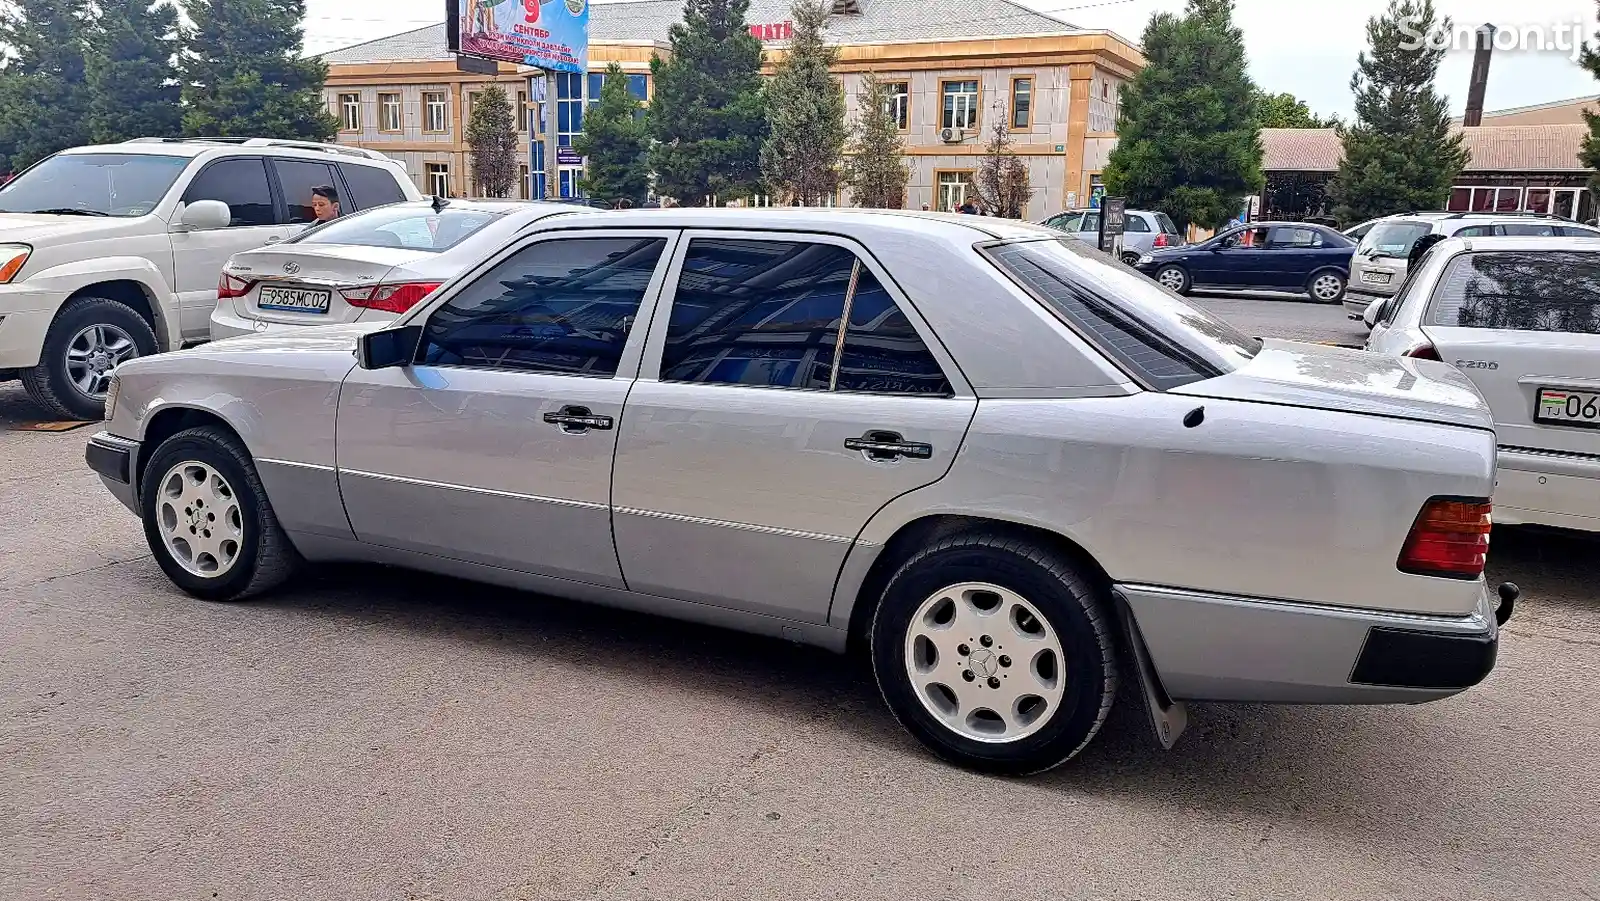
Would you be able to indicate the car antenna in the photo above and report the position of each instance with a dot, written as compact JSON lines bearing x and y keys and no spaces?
{"x":439,"y":203}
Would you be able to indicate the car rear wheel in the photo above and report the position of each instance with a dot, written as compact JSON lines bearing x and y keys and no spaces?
{"x":1130,"y":257}
{"x":996,"y":654}
{"x":1173,"y":278}
{"x":207,"y":519}
{"x":89,"y":338}
{"x":1326,"y":287}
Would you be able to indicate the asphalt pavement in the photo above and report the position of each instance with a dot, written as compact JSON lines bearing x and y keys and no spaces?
{"x":376,"y":734}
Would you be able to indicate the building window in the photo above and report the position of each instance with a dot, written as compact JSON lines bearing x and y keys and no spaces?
{"x":350,"y":112}
{"x":899,"y":103}
{"x":569,"y":124}
{"x":951,"y":189}
{"x":388,"y":112}
{"x":437,"y":178}
{"x":960,"y":103}
{"x":435,"y":112}
{"x":522,"y":182}
{"x":522,"y":111}
{"x":1021,"y":102}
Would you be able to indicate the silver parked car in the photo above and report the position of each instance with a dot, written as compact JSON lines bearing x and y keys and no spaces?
{"x":1016,"y":479}
{"x":1144,"y":231}
{"x":368,"y":267}
{"x":1521,"y":318}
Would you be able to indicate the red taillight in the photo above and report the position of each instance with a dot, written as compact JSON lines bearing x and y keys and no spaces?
{"x":390,"y":298}
{"x":229,"y":287}
{"x":1450,"y":538}
{"x":1423,"y":352}
{"x":1161,"y":240}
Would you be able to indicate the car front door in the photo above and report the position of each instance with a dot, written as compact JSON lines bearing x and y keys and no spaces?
{"x":496,"y":445}
{"x":787,"y":393}
{"x":198,"y":256}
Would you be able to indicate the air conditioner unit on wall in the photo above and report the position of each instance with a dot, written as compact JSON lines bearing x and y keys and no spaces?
{"x":951,"y":135}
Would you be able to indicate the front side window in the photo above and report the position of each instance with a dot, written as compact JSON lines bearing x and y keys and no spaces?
{"x":93,"y":184}
{"x":435,"y":111}
{"x":897,"y":96}
{"x":388,"y":112}
{"x":239,"y":183}
{"x":960,"y":104}
{"x":1245,"y":238}
{"x":410,"y":226}
{"x":1021,"y":102}
{"x":350,"y":111}
{"x":297,"y":178}
{"x":560,"y":306}
{"x":1524,"y":291}
{"x":769,"y":314}
{"x":1149,"y":332}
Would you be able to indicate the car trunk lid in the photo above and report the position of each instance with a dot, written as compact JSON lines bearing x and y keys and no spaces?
{"x":289,"y":284}
{"x":1334,"y":378}
{"x":1543,"y":388}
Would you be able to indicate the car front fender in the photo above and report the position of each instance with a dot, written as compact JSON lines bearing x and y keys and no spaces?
{"x":67,"y":279}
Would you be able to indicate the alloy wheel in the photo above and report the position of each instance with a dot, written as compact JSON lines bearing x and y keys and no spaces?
{"x":985,"y":662}
{"x":93,"y":354}
{"x":198,"y":516}
{"x":1171,"y":279}
{"x":1326,"y":287}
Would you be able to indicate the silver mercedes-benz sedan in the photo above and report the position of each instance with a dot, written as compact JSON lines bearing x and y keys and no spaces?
{"x":1015,"y":474}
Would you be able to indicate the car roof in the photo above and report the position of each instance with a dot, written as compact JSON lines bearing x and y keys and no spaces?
{"x":1519,"y":242}
{"x":485,"y":204}
{"x":192,"y":148}
{"x":825,"y":219}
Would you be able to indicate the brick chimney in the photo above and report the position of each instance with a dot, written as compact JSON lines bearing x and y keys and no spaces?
{"x":1480,"y":77}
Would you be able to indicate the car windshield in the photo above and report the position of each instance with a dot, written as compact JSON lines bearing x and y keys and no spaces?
{"x":1393,"y":239}
{"x":410,"y":227}
{"x":93,"y":184}
{"x":1150,"y":331}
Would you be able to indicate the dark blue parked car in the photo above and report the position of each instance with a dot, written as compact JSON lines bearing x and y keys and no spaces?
{"x":1272,"y":256}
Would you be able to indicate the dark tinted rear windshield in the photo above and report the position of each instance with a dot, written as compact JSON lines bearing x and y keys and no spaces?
{"x":1525,"y":291}
{"x":1147,"y":330}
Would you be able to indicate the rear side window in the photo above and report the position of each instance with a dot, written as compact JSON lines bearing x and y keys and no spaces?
{"x":559,"y":306}
{"x":1296,"y":237}
{"x":769,"y":313}
{"x":1524,"y":291}
{"x":1149,"y":332}
{"x":370,"y":186}
{"x":1136,"y":224}
{"x":1573,"y":231}
{"x":297,"y":178}
{"x":1528,"y":229}
{"x":239,"y":183}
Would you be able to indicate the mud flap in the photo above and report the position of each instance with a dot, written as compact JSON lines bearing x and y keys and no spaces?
{"x":1168,"y":718}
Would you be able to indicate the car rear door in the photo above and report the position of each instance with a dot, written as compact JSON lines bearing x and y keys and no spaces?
{"x":1292,"y":257}
{"x":747,"y":461}
{"x":1525,"y":327}
{"x":496,"y":445}
{"x":198,"y":256}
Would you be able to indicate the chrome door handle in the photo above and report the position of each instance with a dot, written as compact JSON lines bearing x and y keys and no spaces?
{"x":887,"y":446}
{"x":576,"y":420}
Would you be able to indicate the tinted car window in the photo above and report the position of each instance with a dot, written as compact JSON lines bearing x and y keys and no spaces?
{"x":297,"y":178}
{"x":411,"y":226}
{"x":757,"y":313}
{"x":1528,"y":291}
{"x":1528,"y":229}
{"x":563,"y":306}
{"x":369,"y":186}
{"x":1573,"y":231}
{"x":239,"y":183}
{"x":1296,"y":237}
{"x":882,"y":352}
{"x":1475,"y":231}
{"x":1149,"y":331}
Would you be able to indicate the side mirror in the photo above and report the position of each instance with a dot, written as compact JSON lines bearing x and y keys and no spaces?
{"x":205,"y":215}
{"x":388,"y":348}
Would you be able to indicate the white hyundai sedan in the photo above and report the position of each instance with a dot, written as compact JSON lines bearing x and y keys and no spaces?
{"x":368,"y":267}
{"x":1521,"y":318}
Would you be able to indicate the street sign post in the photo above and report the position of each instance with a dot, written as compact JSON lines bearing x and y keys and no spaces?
{"x":1113,"y":221}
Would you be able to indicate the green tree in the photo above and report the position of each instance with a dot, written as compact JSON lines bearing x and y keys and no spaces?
{"x":877,"y":170}
{"x":244,"y":75}
{"x":707,"y":115}
{"x":1401,"y":152}
{"x":1589,"y":154}
{"x":1288,"y":111}
{"x":614,"y":145}
{"x":44,"y":97}
{"x":1189,"y":141}
{"x":492,"y":135}
{"x":131,"y":68}
{"x":804,"y":152}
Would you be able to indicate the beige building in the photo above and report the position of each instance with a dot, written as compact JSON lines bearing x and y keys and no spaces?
{"x":953,"y":68}
{"x":1558,"y":112}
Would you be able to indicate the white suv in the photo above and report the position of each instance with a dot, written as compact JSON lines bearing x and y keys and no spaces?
{"x":114,"y":251}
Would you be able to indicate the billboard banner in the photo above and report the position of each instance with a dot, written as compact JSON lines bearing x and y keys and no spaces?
{"x":549,"y":34}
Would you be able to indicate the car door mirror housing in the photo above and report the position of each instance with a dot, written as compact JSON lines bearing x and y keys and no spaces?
{"x":388,"y":348}
{"x":205,"y":215}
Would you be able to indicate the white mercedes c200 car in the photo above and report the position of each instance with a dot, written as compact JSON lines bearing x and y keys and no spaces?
{"x":1015,"y":473}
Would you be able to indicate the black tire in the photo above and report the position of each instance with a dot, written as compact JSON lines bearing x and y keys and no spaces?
{"x":1333,"y":297}
{"x":1182,"y":287}
{"x":1130,"y":257}
{"x":1068,"y":602}
{"x":265,"y":559}
{"x":49,"y":384}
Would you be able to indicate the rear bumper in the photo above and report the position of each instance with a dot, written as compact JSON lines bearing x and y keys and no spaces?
{"x":1546,"y":488}
{"x":1217,"y":648}
{"x":114,"y":458}
{"x":1357,"y":301}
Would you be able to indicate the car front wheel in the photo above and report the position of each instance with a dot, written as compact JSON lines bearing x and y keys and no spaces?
{"x":1173,"y":278}
{"x":1326,"y":287}
{"x":996,"y":654}
{"x":85,"y":343}
{"x":207,"y":519}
